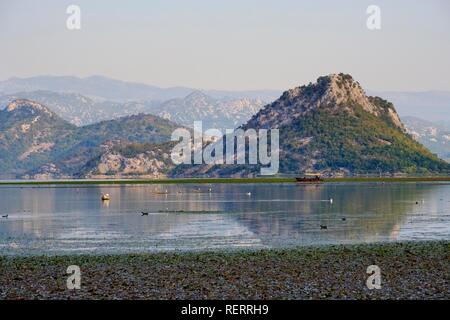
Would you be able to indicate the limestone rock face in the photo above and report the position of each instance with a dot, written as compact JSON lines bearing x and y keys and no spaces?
{"x":214,"y":113}
{"x":116,"y":164}
{"x":336,"y":92}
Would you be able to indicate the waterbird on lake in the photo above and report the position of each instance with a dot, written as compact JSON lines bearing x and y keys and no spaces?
{"x":105,"y":196}
{"x":344,"y":218}
{"x":323,"y":227}
{"x":162,"y":192}
{"x":5,"y":216}
{"x":331,"y":200}
{"x":249,"y":194}
{"x":144,"y":214}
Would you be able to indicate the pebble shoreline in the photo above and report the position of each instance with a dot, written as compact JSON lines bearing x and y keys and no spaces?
{"x":413,"y":270}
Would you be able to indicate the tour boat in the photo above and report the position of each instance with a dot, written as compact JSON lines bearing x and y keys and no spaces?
{"x":309,"y":178}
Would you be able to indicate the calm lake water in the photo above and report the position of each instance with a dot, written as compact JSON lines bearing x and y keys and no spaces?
{"x":73,"y":219}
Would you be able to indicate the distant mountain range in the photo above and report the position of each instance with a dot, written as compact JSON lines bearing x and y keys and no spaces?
{"x":330,"y":126}
{"x":429,"y":105}
{"x":103,"y":88}
{"x":434,"y":136}
{"x":80,"y":110}
{"x":333,"y":127}
{"x":214,"y":113}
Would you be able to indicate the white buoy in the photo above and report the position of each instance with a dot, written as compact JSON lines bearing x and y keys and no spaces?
{"x":331,"y":200}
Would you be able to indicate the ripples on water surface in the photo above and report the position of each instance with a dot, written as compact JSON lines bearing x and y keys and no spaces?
{"x":72,"y":219}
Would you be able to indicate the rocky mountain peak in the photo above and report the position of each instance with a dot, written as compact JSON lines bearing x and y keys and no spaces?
{"x":342,"y":88}
{"x":335,"y":92}
{"x":28,"y":106}
{"x":334,"y":89}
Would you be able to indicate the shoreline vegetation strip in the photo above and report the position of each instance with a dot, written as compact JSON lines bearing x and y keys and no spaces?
{"x":219,"y":180}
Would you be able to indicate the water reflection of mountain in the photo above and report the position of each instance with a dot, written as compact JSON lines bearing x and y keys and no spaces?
{"x":372,"y":213}
{"x":192,"y":217}
{"x":61,"y":211}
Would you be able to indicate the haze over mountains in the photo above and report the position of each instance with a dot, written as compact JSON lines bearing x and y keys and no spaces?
{"x":434,"y":136}
{"x":104,"y":88}
{"x":88,"y":100}
{"x":428,"y":105}
{"x":214,"y":113}
{"x":330,"y":126}
{"x":76,"y":108}
{"x":80,"y":110}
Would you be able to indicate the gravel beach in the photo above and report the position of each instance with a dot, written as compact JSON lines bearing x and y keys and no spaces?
{"x":408,"y":271}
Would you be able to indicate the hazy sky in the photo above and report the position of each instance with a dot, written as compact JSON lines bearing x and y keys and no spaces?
{"x":230,"y":44}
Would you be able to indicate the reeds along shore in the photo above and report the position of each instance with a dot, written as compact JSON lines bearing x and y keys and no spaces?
{"x":408,"y":271}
